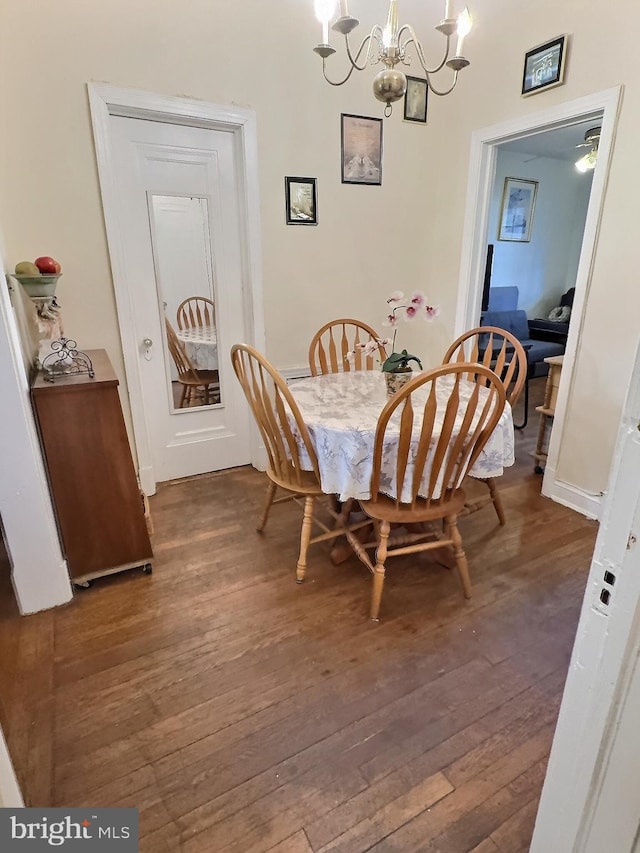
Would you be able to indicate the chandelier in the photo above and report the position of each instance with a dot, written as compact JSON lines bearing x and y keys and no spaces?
{"x":388,"y":45}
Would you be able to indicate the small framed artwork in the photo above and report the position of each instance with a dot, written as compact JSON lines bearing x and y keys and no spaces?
{"x":415,"y":100}
{"x":301,"y":201}
{"x":544,"y":66}
{"x":516,"y":214}
{"x":361,"y":147}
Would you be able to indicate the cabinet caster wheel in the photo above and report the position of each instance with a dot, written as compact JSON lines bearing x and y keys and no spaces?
{"x":147,"y":569}
{"x":538,"y":470}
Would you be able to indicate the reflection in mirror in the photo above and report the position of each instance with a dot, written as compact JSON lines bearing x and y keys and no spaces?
{"x":184,"y":274}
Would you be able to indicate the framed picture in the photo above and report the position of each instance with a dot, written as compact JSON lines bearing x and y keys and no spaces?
{"x":544,"y":66}
{"x":361,"y":149}
{"x":301,"y":202}
{"x":516,"y":214}
{"x":415,"y":100}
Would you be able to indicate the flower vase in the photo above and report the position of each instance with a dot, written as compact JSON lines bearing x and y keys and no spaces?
{"x":397,"y":379}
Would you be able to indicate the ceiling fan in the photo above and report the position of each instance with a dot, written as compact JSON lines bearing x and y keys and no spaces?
{"x":591,"y":141}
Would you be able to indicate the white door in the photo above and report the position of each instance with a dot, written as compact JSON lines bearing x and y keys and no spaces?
{"x":177,"y":189}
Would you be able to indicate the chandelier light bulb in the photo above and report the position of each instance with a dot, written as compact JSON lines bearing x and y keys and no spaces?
{"x":463,"y":29}
{"x":325,"y":10}
{"x":584,"y":164}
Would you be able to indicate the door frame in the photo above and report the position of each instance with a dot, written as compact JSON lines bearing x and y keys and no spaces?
{"x":10,"y":793}
{"x":38,"y":568}
{"x":578,"y":786}
{"x":106,"y":101}
{"x":482,"y":166}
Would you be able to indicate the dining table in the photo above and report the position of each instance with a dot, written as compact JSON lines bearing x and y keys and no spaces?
{"x":200,"y":343}
{"x":341,"y":413}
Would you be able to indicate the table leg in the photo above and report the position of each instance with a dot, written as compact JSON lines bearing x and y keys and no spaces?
{"x":341,"y":550}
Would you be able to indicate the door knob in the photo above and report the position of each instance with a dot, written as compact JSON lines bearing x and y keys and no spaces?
{"x":147,"y":343}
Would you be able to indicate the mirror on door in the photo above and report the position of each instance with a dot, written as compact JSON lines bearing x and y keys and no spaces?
{"x":186,"y":292}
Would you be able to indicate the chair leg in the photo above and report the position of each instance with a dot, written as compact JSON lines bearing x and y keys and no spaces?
{"x":305,"y":538}
{"x":271,"y":493}
{"x":497,"y":500}
{"x":378,"y":571}
{"x":184,"y":394}
{"x":461,"y":558}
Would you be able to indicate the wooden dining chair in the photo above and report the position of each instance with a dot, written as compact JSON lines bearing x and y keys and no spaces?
{"x":196,"y":312}
{"x":501,"y":351}
{"x":433,"y":436}
{"x":193,"y":381}
{"x":287,"y":442}
{"x":330,"y":345}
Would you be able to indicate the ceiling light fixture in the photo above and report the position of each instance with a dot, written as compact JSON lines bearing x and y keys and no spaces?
{"x":388,"y":45}
{"x":592,"y":138}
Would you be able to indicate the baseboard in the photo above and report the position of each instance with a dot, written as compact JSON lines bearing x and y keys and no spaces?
{"x":289,"y":373}
{"x":571,"y":496}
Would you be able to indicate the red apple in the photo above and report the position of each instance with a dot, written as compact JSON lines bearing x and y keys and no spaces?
{"x":47,"y":265}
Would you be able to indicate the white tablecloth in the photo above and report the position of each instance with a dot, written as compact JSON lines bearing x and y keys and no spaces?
{"x":341,"y":411}
{"x":201,"y":345}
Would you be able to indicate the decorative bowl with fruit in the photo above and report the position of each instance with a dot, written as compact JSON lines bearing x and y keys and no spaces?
{"x":40,"y":277}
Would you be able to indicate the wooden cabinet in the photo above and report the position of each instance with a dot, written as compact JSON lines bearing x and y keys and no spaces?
{"x":547,"y":410}
{"x":98,"y":504}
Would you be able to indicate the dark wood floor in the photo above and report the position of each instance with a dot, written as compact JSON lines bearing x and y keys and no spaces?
{"x":241,"y":712}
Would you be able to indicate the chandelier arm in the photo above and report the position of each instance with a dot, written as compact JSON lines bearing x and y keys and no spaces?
{"x":447,"y":91}
{"x":413,"y":39}
{"x":367,"y":40}
{"x":334,"y":82}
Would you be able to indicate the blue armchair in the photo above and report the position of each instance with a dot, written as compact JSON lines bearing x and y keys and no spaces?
{"x":537,"y":350}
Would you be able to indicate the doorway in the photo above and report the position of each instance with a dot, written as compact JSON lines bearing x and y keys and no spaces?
{"x":602,"y":108}
{"x":179,"y":187}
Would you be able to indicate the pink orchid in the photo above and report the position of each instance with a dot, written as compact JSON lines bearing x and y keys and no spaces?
{"x":410,"y":312}
{"x":416,"y":306}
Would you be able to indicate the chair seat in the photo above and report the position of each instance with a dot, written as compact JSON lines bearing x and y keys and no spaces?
{"x":385,"y":508}
{"x":305,"y":484}
{"x":205,"y":377}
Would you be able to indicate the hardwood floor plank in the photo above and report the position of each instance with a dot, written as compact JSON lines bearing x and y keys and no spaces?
{"x":297,"y":843}
{"x":278,"y":815}
{"x":507,"y":680}
{"x":469,"y":814}
{"x":516,"y":832}
{"x":240,"y":711}
{"x":515,"y":713}
{"x":393,"y":814}
{"x":487,"y":846}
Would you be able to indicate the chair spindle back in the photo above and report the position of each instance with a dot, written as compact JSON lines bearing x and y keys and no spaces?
{"x":183,"y":364}
{"x":276,"y":414}
{"x":196,"y":312}
{"x":497,"y":349}
{"x":443,"y":426}
{"x":330,"y":345}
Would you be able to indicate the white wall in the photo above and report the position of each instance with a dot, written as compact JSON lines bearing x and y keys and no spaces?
{"x":370,"y":240}
{"x":546,"y":266}
{"x":10,"y":794}
{"x":39,"y":573}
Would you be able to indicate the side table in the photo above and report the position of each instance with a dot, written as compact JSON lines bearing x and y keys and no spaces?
{"x":547,"y":410}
